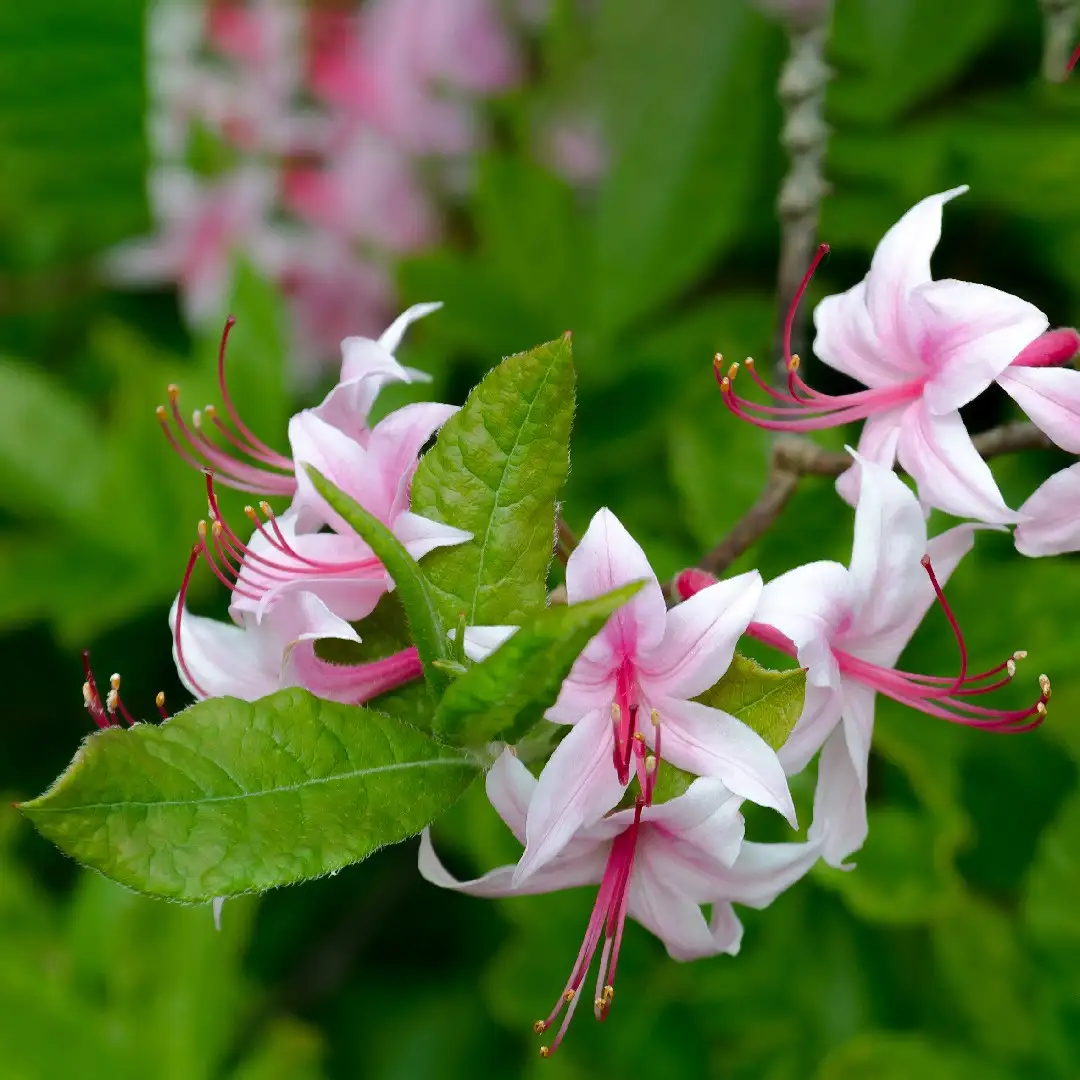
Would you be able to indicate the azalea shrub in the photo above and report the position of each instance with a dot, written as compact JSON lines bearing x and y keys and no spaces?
{"x":732,"y":697}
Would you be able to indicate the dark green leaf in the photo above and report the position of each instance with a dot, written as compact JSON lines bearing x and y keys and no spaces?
{"x":426,"y":627}
{"x":231,"y":796}
{"x":496,"y":470}
{"x":503,"y":697}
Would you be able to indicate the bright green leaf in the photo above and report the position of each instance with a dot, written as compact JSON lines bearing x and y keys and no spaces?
{"x":496,"y":470}
{"x":770,"y":702}
{"x":417,"y":595}
{"x":231,"y":796}
{"x":503,"y":697}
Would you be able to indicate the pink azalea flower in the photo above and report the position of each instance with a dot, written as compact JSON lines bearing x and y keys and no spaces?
{"x":633,"y":687}
{"x":924,"y":348}
{"x":657,"y":864}
{"x":203,"y":225}
{"x":848,"y":626}
{"x":257,"y":657}
{"x":1048,"y":392}
{"x":1050,"y":519}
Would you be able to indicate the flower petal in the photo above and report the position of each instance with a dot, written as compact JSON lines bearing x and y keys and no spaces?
{"x":726,"y":929}
{"x":342,"y":461}
{"x":699,"y":638}
{"x":1051,"y":399}
{"x":352,"y":684}
{"x":391,"y":337}
{"x":419,"y":535}
{"x":1050,"y":519}
{"x":607,"y":557}
{"x":709,"y":742}
{"x":857,"y":710}
{"x":674,"y":918}
{"x":577,"y":787}
{"x":938,"y":453}
{"x":585,"y":869}
{"x":482,"y":641}
{"x":510,"y":788}
{"x":839,"y":803}
{"x":820,"y":715}
{"x":968,"y":334}
{"x":763,"y":871}
{"x":902,"y":262}
{"x":878,"y":441}
{"x":808,"y":605}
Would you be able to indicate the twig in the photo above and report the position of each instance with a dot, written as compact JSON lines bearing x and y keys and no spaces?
{"x":794,"y":457}
{"x":565,"y":541}
{"x":805,"y":135}
{"x":1061,"y":20}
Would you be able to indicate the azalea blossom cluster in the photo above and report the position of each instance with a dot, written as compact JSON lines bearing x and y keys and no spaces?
{"x":322,"y":143}
{"x":642,"y":796}
{"x":316,"y":141}
{"x":924,"y":349}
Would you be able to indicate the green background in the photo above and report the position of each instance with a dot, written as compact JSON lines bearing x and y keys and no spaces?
{"x":953,"y":950}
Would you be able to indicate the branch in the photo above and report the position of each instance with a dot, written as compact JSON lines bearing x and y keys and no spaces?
{"x":805,"y":135}
{"x":794,"y":457}
{"x":565,"y":541}
{"x":1061,"y":19}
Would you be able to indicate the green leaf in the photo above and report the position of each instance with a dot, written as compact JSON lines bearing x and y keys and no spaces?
{"x":1053,"y":889}
{"x":231,"y":796}
{"x":503,"y":697}
{"x":770,"y":702}
{"x":496,"y":470}
{"x":417,"y":595}
{"x":889,"y":1056}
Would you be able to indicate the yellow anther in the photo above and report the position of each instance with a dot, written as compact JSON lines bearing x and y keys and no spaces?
{"x":202,"y":530}
{"x":1010,"y":667}
{"x":196,"y":418}
{"x":733,"y":371}
{"x":160,"y":410}
{"x":1041,"y":708}
{"x":217,"y":527}
{"x":210,"y":412}
{"x":173,"y":391}
{"x":1044,"y":686}
{"x":545,"y":1051}
{"x":794,"y":362}
{"x":718,"y":361}
{"x":87,"y":696}
{"x":650,"y":764}
{"x":539,"y":1027}
{"x":749,"y":361}
{"x":568,"y":995}
{"x":639,"y":736}
{"x":159,"y":701}
{"x":616,"y":712}
{"x":264,"y":506}
{"x":654,"y":716}
{"x":111,"y":698}
{"x":609,"y":994}
{"x":114,"y":680}
{"x":1020,"y":654}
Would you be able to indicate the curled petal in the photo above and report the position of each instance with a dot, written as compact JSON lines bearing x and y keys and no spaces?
{"x":669,"y":914}
{"x":1050,"y":519}
{"x":1051,"y":399}
{"x":510,"y":788}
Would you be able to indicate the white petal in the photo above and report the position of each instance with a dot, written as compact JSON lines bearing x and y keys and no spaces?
{"x":878,"y":441}
{"x":576,"y":788}
{"x":510,"y":788}
{"x":839,"y":803}
{"x":675,"y":919}
{"x":419,"y":535}
{"x":584,"y":869}
{"x":820,"y":715}
{"x":763,"y":871}
{"x":222,"y":660}
{"x":969,"y":334}
{"x":1051,"y":399}
{"x":938,"y":453}
{"x":726,"y":929}
{"x":857,"y":710}
{"x":391,"y":337}
{"x":709,"y":742}
{"x":808,"y":605}
{"x":342,"y":461}
{"x":700,"y":637}
{"x":902,"y":262}
{"x":607,"y":557}
{"x":482,"y":641}
{"x":1050,"y":519}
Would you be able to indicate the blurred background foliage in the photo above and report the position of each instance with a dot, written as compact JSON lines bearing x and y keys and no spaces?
{"x":953,"y":950}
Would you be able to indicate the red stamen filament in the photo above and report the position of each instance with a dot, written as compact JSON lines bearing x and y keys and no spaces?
{"x":1073,"y":62}
{"x":181,"y":600}
{"x":608,"y":919}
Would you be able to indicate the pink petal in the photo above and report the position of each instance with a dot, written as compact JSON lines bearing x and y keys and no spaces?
{"x":577,"y":787}
{"x":968,"y":334}
{"x":820,"y":715}
{"x":939,"y":455}
{"x":391,"y":337}
{"x":902,"y":262}
{"x":709,"y":742}
{"x":877,"y":442}
{"x":809,"y":605}
{"x":1050,"y":519}
{"x":726,"y":929}
{"x":1051,"y":399}
{"x":588,"y":687}
{"x":352,"y":684}
{"x":342,"y":461}
{"x":839,"y":803}
{"x":607,"y":557}
{"x":419,"y":535}
{"x":763,"y":871}
{"x":699,"y":638}
{"x":674,"y":918}
{"x":857,"y":709}
{"x":510,"y":788}
{"x":585,"y":869}
{"x":847,"y":341}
